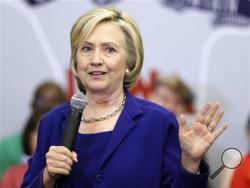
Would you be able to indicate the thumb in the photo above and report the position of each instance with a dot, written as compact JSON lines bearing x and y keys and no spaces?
{"x":182,"y":122}
{"x":74,"y":156}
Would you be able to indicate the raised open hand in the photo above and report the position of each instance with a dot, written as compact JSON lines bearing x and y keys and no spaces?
{"x":196,"y":139}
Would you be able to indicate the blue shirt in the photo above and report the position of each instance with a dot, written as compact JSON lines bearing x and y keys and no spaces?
{"x":143,"y":150}
{"x":90,"y":149}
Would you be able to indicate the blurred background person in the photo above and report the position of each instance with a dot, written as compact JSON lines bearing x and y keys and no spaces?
{"x":13,"y":176}
{"x":241,"y":175}
{"x":172,"y":93}
{"x":46,"y":96}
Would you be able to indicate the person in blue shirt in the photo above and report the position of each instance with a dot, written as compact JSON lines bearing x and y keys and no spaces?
{"x":123,"y":141}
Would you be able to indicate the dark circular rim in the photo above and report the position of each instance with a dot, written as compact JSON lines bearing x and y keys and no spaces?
{"x":241,"y":157}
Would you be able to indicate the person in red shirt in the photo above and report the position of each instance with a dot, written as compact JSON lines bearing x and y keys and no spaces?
{"x":241,"y":176}
{"x":13,"y":176}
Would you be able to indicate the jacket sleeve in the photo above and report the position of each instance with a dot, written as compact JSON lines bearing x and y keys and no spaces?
{"x":34,"y":174}
{"x":174,"y":175}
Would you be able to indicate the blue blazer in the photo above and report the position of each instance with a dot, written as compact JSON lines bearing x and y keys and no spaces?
{"x":142,"y":152}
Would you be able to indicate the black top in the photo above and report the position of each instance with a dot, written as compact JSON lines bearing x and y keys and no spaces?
{"x":90,"y":149}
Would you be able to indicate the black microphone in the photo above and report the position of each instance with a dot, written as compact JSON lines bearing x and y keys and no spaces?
{"x":78,"y":103}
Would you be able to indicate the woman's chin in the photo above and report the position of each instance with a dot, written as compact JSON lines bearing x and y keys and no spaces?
{"x":97,"y":88}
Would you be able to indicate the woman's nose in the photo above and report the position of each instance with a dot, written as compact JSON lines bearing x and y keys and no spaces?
{"x":97,"y":58}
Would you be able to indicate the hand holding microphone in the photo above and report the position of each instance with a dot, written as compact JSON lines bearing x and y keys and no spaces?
{"x":59,"y":159}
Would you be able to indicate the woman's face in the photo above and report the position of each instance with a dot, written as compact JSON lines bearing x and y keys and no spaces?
{"x":101,"y":59}
{"x":167,"y":98}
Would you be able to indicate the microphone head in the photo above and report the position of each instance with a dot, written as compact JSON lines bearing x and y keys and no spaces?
{"x":79,"y":101}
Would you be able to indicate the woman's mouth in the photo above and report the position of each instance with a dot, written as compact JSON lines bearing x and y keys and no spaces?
{"x":97,"y":73}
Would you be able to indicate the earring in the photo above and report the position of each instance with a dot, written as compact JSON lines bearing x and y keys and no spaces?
{"x":126,"y":72}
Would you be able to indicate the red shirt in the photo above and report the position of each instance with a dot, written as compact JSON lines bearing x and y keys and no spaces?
{"x":241,"y":176}
{"x":13,"y":177}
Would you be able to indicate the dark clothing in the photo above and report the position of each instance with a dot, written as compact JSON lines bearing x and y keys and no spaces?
{"x":143,"y":151}
{"x":89,"y":148}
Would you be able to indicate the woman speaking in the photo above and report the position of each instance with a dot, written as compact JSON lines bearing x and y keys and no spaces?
{"x":123,"y":141}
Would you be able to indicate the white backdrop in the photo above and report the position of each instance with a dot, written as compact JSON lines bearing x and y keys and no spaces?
{"x":214,"y":61}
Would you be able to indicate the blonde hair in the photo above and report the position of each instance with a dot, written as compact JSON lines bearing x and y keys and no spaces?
{"x":175,"y":84}
{"x":84,"y":26}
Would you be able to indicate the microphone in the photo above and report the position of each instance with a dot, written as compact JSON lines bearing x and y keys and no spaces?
{"x":78,"y":103}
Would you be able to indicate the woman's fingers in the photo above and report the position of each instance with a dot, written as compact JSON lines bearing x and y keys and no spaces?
{"x":62,"y":150}
{"x":65,"y":152}
{"x":219,"y":131}
{"x":75,"y":156}
{"x":209,"y":116}
{"x":182,"y":123}
{"x":216,"y":119}
{"x":59,"y":164}
{"x":59,"y":157}
{"x":59,"y":160}
{"x":54,"y":172}
{"x":200,"y":117}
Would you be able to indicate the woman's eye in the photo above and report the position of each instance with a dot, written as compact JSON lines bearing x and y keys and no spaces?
{"x":110,"y":50}
{"x":86,"y":49}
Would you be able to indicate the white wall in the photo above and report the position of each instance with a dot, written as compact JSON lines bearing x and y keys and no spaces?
{"x":214,"y":61}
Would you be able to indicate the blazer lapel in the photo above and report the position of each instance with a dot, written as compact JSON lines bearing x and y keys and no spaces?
{"x":124,"y":126}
